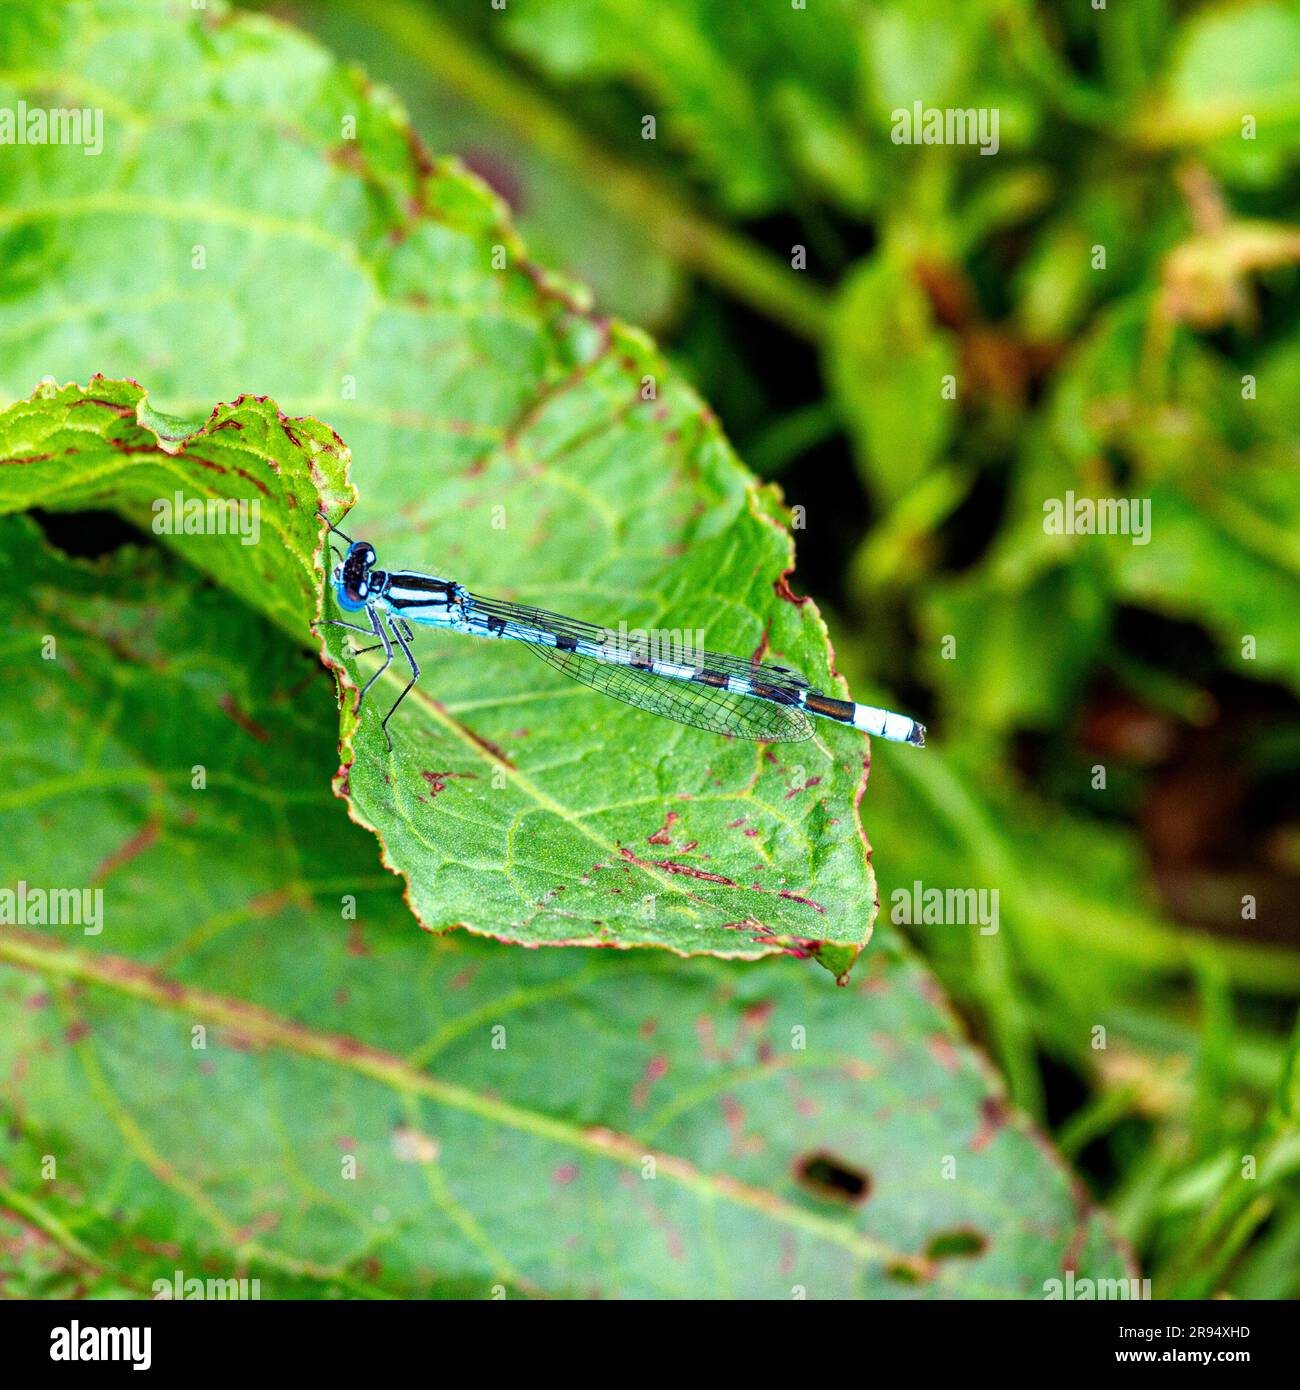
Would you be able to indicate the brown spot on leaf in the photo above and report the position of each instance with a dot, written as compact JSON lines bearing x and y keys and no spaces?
{"x":941,"y":1049}
{"x":656,"y":1068}
{"x":231,"y":708}
{"x":137,"y":844}
{"x":795,"y":898}
{"x":438,"y":780}
{"x":781,"y":587}
{"x":668,"y":866}
{"x":661,"y":836}
{"x":993,"y":1115}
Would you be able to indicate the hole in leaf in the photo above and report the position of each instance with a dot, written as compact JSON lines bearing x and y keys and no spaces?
{"x":949,"y":1243}
{"x":824,"y":1175}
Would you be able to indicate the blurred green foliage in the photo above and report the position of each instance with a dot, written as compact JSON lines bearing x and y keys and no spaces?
{"x":925,"y":346}
{"x":1115,"y":297}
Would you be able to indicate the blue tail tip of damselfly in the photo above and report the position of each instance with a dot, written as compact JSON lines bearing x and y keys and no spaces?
{"x":917,"y":736}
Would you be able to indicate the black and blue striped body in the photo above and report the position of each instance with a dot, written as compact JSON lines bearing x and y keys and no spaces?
{"x":706,"y":689}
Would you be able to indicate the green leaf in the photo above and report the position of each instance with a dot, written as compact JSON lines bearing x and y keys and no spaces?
{"x":886,"y":360}
{"x":529,"y":808}
{"x":1227,"y":558}
{"x":697,"y":72}
{"x":543,"y":841}
{"x":501,"y":435}
{"x":835,"y":156}
{"x":1022,"y":654}
{"x":908,"y":55}
{"x":236,"y":492}
{"x":1231,"y":64}
{"x":561,"y":216}
{"x":1219,"y":470}
{"x":253,"y":1068}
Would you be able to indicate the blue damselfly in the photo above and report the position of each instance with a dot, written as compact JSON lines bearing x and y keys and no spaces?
{"x":726,"y":694}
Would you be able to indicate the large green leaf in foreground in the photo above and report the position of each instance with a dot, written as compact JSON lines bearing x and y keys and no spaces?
{"x":237,"y":234}
{"x":534,"y":845}
{"x":236,"y":1076}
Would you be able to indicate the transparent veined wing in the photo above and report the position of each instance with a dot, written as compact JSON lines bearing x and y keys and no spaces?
{"x":722,"y":711}
{"x":767,"y":673}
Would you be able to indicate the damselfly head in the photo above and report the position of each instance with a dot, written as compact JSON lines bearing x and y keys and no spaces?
{"x":353,"y":577}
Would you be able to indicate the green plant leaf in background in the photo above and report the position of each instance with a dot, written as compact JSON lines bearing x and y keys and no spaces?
{"x":1233,"y":64}
{"x":704,"y":87}
{"x":287,"y":1083}
{"x":1220,"y":473}
{"x":887,"y":361}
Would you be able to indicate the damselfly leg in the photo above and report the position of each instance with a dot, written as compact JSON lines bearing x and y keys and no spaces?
{"x":332,"y":527}
{"x":415,"y":674}
{"x":351,"y":627}
{"x":402,"y":632}
{"x":388,"y":656}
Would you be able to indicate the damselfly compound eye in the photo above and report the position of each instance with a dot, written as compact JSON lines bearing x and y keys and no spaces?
{"x":356,"y":571}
